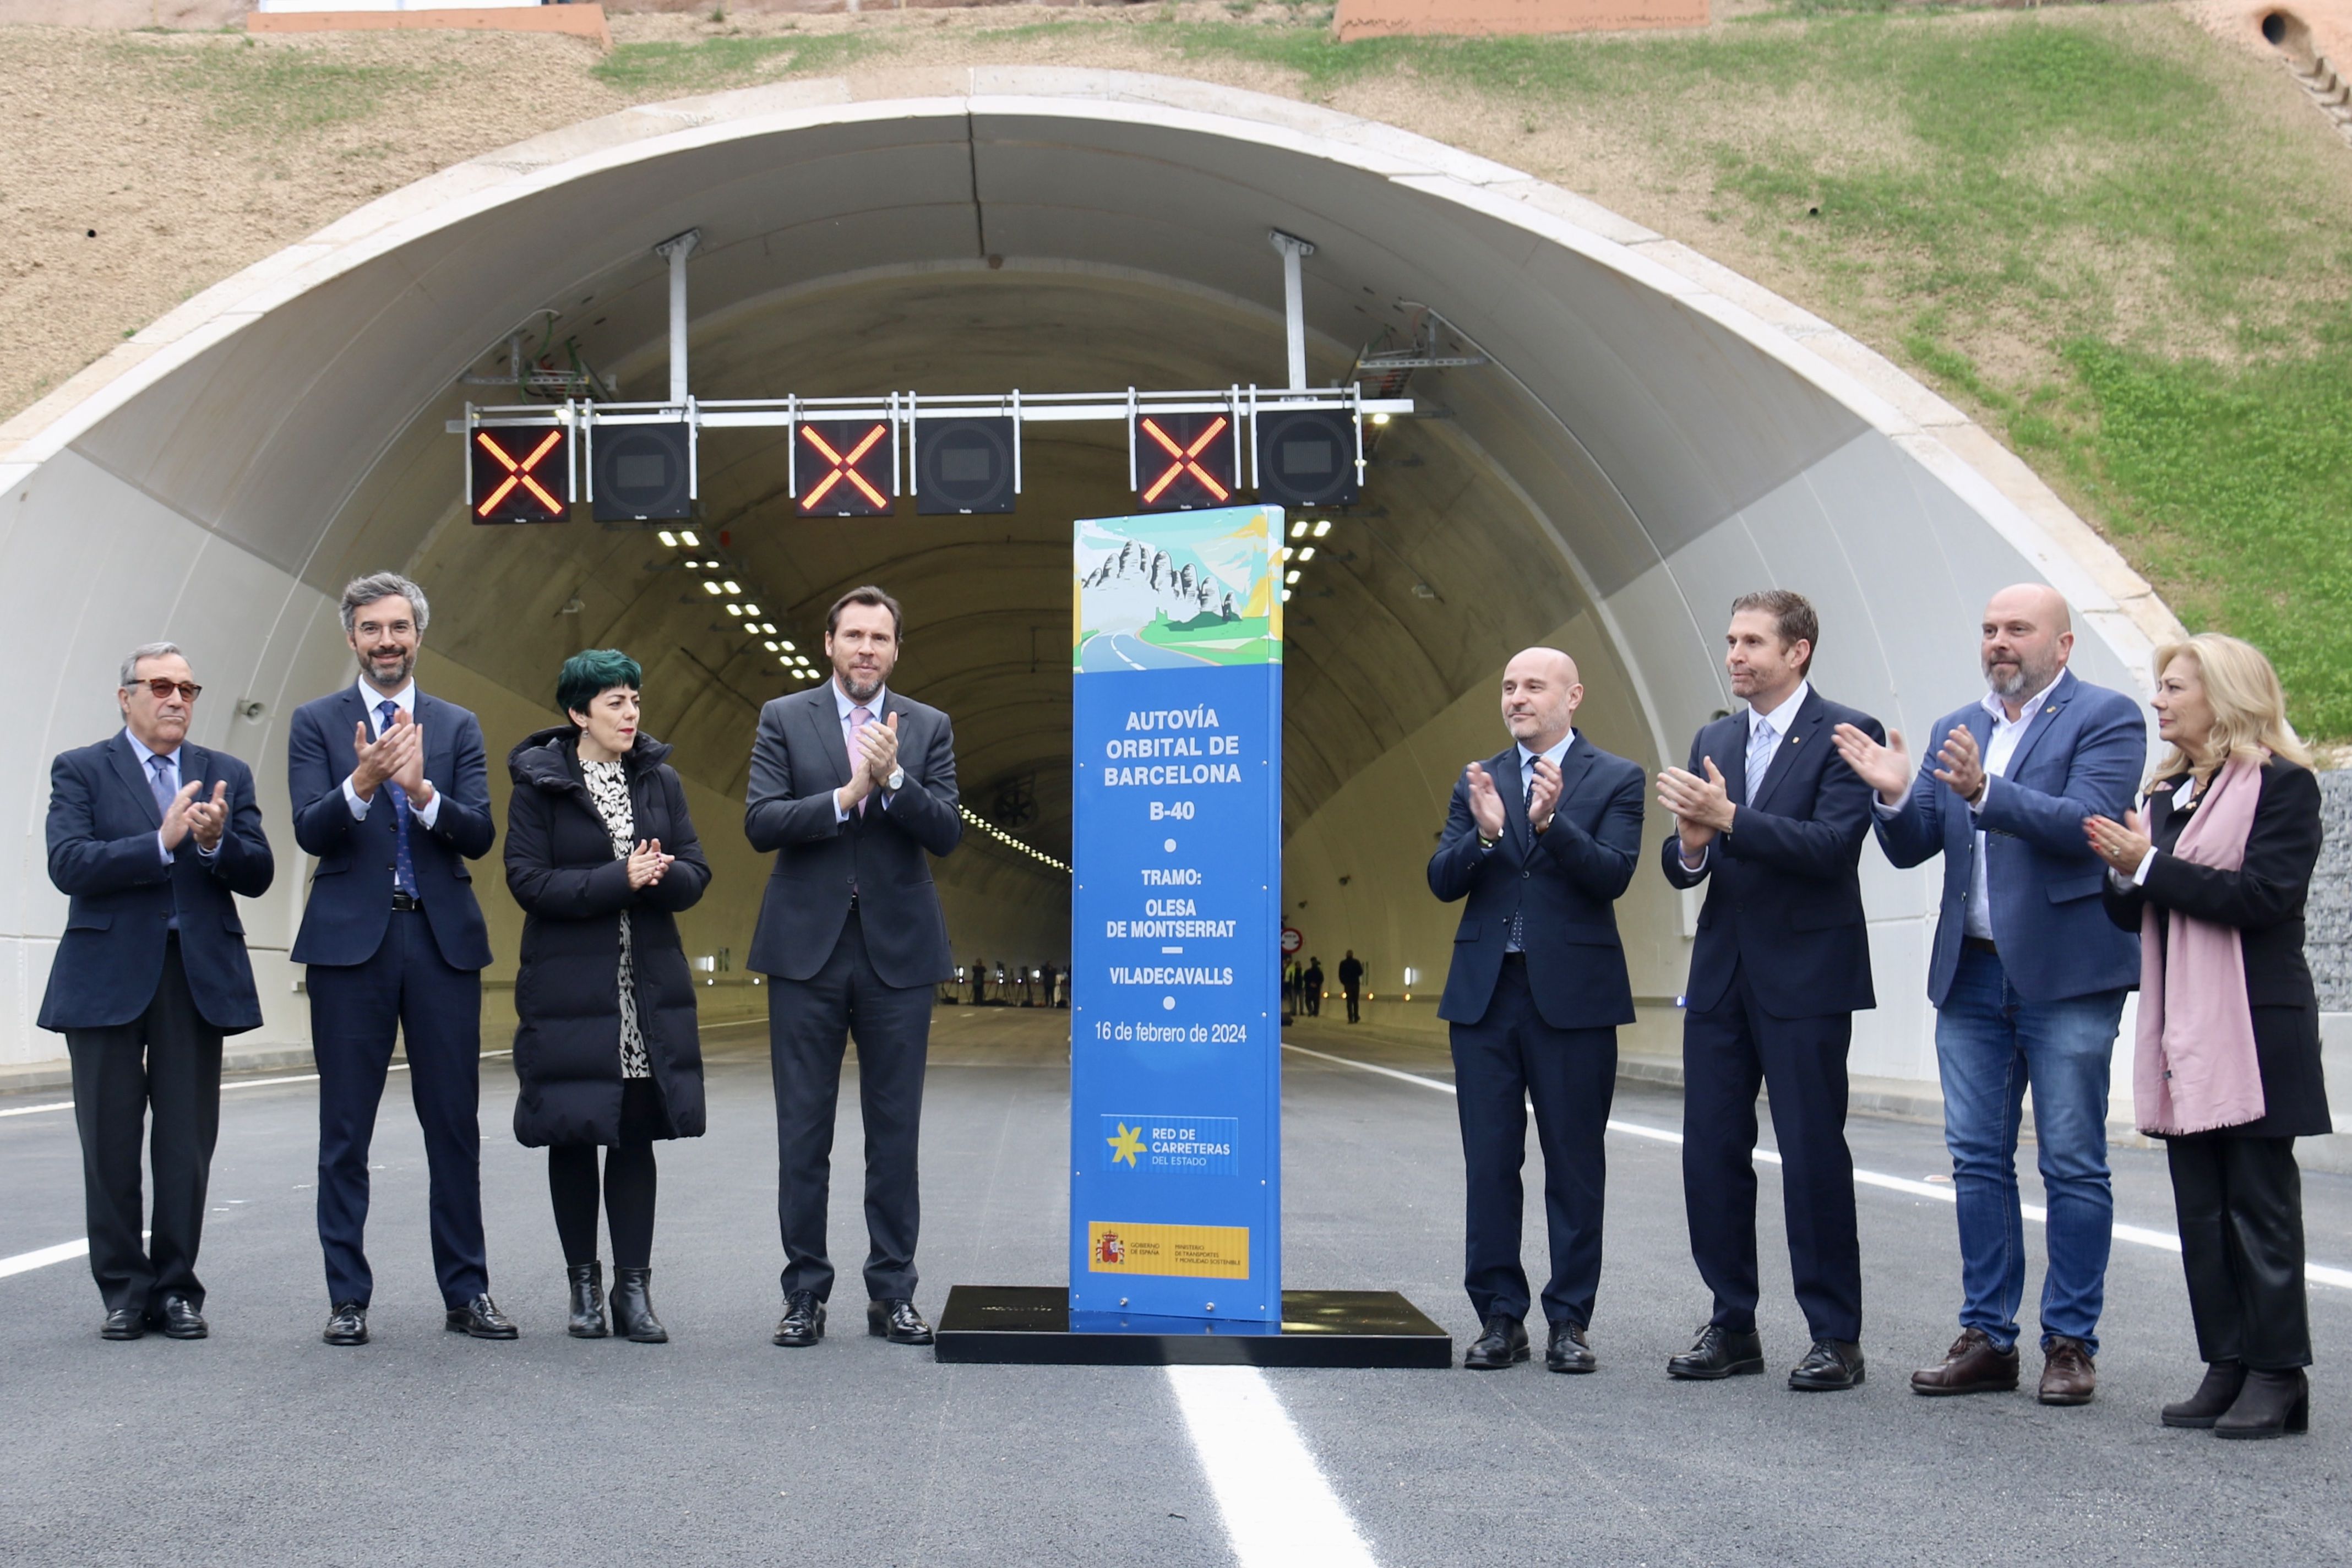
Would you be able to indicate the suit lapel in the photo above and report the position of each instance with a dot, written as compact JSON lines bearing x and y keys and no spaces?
{"x":1802,"y":732}
{"x":1732,"y":741}
{"x":1573,"y":768}
{"x":825,"y":718}
{"x":2045,"y":719}
{"x":1513,"y":788}
{"x":133,"y":772}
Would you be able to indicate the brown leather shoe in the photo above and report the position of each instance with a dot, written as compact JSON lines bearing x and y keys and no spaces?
{"x":1973,"y":1365}
{"x":2067,"y":1375}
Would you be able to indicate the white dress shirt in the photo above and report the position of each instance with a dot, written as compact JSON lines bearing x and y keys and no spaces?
{"x":1999,"y":747}
{"x":405,"y":699}
{"x":846,"y":708}
{"x":1527,"y":782}
{"x":1778,"y":720}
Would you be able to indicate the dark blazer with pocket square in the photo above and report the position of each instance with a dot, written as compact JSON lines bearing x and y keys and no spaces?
{"x":1563,"y":883}
{"x":104,"y":856}
{"x":351,"y":892}
{"x":1784,"y":888}
{"x":799,"y":758}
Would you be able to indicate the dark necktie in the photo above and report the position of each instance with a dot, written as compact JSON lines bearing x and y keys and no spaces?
{"x":404,"y":871}
{"x":859,"y":719}
{"x":1517,"y":942}
{"x":159,"y":770}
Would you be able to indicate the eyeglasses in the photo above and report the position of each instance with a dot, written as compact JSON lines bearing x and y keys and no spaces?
{"x":188,"y":689}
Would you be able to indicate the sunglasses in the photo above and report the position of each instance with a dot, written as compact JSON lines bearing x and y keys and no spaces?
{"x":188,"y":689}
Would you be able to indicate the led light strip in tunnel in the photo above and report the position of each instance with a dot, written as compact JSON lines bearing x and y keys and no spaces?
{"x":1295,"y":555}
{"x":1004,"y":838}
{"x":741,"y":604}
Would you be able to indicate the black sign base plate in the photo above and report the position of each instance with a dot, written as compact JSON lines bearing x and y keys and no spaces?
{"x":1032,"y":1325}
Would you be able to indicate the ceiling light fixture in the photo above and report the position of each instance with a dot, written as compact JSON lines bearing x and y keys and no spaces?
{"x":1322,"y":528}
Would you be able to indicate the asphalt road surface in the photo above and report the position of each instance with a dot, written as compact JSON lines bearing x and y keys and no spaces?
{"x":263,"y":1445}
{"x":1124,"y":650}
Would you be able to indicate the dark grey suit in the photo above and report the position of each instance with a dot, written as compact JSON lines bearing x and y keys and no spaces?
{"x":851,"y":932}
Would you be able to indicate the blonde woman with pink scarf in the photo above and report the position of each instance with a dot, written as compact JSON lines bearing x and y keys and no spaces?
{"x":2212,"y":872}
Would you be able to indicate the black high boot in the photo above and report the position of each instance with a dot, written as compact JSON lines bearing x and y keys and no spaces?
{"x":2213,"y":1399}
{"x":2270,"y":1404}
{"x":587,"y":1301}
{"x":633,"y":1307}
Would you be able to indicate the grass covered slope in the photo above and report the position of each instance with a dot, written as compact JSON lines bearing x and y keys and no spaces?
{"x":2123,"y":245}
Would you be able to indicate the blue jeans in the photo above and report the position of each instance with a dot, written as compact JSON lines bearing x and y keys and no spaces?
{"x":1991,"y":1044}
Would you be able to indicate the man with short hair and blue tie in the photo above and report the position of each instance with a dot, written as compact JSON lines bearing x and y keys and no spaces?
{"x":151,"y":836}
{"x":392,"y":793}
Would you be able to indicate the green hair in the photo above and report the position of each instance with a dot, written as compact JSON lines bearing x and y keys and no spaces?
{"x":591,"y":671}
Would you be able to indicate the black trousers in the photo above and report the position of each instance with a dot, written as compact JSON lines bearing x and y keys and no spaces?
{"x":1509,"y":1057}
{"x":630,"y":1182}
{"x":1728,"y":1052}
{"x":1353,"y":999}
{"x":2240,"y":1204}
{"x":809,"y":1026}
{"x":1314,"y":998}
{"x":167,"y":1059}
{"x":409,"y":991}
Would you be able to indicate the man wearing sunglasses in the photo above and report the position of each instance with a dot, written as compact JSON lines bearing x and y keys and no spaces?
{"x":150,"y":836}
{"x":391,"y":792}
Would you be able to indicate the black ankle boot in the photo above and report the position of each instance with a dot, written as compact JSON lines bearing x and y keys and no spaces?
{"x":587,"y":1301}
{"x":2270,"y":1404}
{"x":633,"y":1307}
{"x":2213,"y":1399}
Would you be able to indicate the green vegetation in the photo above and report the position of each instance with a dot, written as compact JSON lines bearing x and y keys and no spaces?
{"x":712,"y":64}
{"x":2079,"y":225}
{"x":283,"y":92}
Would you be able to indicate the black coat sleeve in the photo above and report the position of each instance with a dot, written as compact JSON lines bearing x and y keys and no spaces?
{"x":1601,"y":863}
{"x":682,"y":886}
{"x":546,"y":889}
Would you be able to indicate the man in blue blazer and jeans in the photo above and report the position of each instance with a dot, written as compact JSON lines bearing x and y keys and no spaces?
{"x":391,"y":794}
{"x":2028,"y":976}
{"x":1540,"y":841}
{"x":1769,"y":818}
{"x":151,"y":836}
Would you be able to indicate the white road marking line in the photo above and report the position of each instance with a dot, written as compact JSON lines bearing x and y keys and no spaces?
{"x":1279,"y":1508}
{"x":26,"y":1262}
{"x":226,"y":1087}
{"x":2139,"y":1235}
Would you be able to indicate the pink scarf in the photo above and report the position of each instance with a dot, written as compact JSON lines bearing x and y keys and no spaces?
{"x":2195,"y":1067}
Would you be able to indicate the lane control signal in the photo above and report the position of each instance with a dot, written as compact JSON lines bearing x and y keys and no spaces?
{"x":845,"y":464}
{"x":1183,"y":460}
{"x":518,"y":472}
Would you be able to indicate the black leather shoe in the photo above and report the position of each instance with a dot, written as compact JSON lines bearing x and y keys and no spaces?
{"x":1718,"y":1352}
{"x":2224,"y":1381}
{"x":482,"y":1319}
{"x":897,"y":1322}
{"x":1829,"y":1366}
{"x":179,"y":1319}
{"x":123,"y":1324}
{"x":587,"y":1283}
{"x":633,"y":1307}
{"x":1567,"y":1349}
{"x":2271,"y":1403}
{"x":1502,"y":1343}
{"x":803,"y":1321}
{"x":347,"y":1324}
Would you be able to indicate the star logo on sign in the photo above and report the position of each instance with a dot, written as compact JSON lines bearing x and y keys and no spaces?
{"x":1126,"y":1145}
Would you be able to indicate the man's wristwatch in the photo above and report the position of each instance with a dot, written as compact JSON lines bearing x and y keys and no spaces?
{"x":1487,"y":843}
{"x":898,"y":777}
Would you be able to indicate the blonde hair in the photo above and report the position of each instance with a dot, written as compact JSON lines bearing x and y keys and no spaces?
{"x":2248,"y":702}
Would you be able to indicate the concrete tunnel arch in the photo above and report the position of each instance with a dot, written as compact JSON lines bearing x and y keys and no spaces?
{"x":1651,"y":436}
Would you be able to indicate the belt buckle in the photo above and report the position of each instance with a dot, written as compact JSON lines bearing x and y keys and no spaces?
{"x":404,"y":902}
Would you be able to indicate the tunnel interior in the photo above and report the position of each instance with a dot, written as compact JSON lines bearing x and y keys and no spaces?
{"x":1633,"y":446}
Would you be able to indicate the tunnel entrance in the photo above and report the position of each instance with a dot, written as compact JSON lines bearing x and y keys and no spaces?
{"x":1647,"y":436}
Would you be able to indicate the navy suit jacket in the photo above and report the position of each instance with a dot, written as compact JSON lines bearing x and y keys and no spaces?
{"x":102,"y":856}
{"x":798,"y":759}
{"x":2082,"y":756}
{"x":1564,"y":882}
{"x":351,"y":892}
{"x":1784,"y":896}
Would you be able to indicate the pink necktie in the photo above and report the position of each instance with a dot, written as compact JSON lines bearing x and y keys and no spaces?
{"x":859,"y":719}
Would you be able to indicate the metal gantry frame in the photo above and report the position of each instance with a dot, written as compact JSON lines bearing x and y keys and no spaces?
{"x":902,"y":410}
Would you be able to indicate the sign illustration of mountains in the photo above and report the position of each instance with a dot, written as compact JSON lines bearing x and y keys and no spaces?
{"x":1199,"y":590}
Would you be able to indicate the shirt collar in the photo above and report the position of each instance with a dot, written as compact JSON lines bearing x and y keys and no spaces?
{"x":146,"y":751}
{"x":1780,"y":718}
{"x":373,"y":700}
{"x":2025,"y":710}
{"x":842,"y":705}
{"x":1528,"y":758}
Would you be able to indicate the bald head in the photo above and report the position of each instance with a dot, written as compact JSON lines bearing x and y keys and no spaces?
{"x":2029,"y":634}
{"x":1540,"y":695}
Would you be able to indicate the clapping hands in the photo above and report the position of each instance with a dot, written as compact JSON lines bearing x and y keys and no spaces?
{"x":647,"y":864}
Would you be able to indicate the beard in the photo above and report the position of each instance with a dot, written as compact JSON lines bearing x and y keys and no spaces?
{"x":2023,"y":679}
{"x":860,"y":691}
{"x":390,"y":669}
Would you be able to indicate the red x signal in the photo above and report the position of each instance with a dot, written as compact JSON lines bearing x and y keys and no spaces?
{"x":1184,"y":460}
{"x":843,"y":461}
{"x":507,"y":473}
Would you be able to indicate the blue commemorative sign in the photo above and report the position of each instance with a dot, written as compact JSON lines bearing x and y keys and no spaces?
{"x":1175,"y":1059}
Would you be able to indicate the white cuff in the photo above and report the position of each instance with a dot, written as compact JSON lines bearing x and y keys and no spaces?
{"x":1976,"y":807}
{"x":430,"y":813}
{"x":1688,"y":863}
{"x":166,"y":854}
{"x":1885,"y":811}
{"x":2139,"y":872}
{"x":351,"y":797}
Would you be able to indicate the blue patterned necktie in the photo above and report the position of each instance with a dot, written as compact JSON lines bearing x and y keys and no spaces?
{"x":404,"y":872}
{"x":1517,"y":941}
{"x":1762,"y":742}
{"x":160,"y":779}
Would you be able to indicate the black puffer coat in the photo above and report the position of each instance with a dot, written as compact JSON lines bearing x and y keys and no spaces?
{"x":574,"y":894}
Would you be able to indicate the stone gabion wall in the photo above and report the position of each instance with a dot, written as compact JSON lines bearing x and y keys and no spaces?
{"x":2329,"y":913}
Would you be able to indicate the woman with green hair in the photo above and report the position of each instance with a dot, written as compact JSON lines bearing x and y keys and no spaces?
{"x":601,"y":855}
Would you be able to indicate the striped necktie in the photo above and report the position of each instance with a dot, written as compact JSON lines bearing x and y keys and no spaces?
{"x":1762,"y":742}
